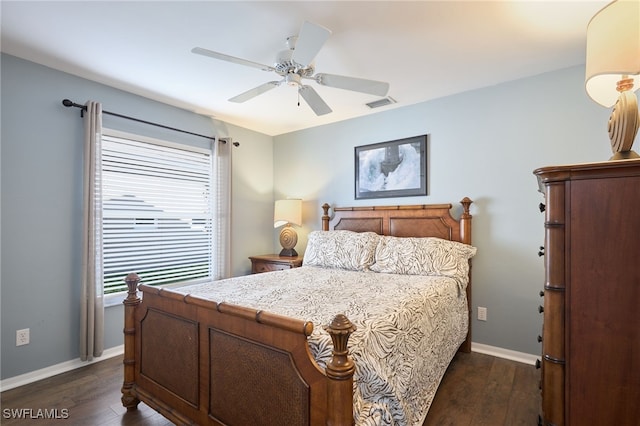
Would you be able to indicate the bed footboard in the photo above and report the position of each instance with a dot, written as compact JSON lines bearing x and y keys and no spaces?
{"x":201,"y":362}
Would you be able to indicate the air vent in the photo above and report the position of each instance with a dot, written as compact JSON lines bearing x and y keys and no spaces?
{"x":381,"y":102}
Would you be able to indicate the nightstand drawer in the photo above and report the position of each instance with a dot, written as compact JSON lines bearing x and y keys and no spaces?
{"x":273,"y":262}
{"x":259,"y":267}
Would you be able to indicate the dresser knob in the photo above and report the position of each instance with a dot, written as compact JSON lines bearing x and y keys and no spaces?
{"x":539,"y":338}
{"x":541,"y":252}
{"x":542,"y":207}
{"x":538,"y":363}
{"x":541,"y":309}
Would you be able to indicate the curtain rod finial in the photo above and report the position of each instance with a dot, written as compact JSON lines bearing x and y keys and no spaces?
{"x":67,"y":103}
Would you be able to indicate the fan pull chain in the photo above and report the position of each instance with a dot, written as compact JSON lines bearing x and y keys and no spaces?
{"x":298,"y":97}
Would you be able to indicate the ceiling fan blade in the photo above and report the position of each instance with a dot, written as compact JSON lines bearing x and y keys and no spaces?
{"x":252,"y":93}
{"x":314,"y":100}
{"x":310,"y":40}
{"x":228,"y":58}
{"x":362,"y":85}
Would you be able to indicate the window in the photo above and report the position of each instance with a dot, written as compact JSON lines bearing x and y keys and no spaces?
{"x":157,"y":211}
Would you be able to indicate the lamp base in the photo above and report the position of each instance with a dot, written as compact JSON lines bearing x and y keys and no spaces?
{"x":624,"y":155}
{"x":288,"y":240}
{"x":623,"y":126}
{"x":288,"y":252}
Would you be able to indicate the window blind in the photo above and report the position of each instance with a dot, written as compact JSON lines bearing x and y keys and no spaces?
{"x":157,"y":211}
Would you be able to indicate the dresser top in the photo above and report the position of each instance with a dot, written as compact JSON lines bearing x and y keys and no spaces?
{"x":614,"y":168}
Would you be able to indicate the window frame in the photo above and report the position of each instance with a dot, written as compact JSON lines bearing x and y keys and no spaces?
{"x":116,"y":298}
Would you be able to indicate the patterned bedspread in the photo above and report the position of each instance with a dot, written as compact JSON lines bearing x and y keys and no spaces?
{"x":409,"y":328}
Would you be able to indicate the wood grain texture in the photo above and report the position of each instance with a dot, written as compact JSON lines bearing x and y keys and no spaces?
{"x":591,"y":333}
{"x":92,"y":396}
{"x":479,"y":389}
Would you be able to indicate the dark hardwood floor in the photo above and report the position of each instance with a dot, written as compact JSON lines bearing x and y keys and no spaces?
{"x":476,"y":390}
{"x":480,"y":390}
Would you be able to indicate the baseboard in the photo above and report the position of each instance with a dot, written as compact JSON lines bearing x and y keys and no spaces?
{"x":522,"y":357}
{"x":63,"y":367}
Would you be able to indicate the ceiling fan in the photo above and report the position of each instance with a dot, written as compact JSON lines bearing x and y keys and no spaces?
{"x":296,"y":64}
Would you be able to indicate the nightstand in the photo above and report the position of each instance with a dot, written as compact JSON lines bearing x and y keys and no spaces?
{"x":273,"y":262}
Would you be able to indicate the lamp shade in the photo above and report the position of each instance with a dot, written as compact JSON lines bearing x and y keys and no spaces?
{"x":613,"y":50}
{"x":287,"y":211}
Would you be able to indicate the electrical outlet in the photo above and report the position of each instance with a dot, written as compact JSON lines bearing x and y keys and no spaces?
{"x":22,"y":337}
{"x":482,"y":313}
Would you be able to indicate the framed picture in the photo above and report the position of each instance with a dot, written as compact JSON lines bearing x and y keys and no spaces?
{"x":391,"y":169}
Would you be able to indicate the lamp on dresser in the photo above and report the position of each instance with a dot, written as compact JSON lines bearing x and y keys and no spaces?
{"x":613,"y":70}
{"x":286,"y":213}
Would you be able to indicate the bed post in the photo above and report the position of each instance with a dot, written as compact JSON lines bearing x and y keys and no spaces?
{"x":325,"y":217}
{"x":132,"y":301}
{"x":465,"y":221}
{"x":340,"y":373}
{"x":465,"y":237}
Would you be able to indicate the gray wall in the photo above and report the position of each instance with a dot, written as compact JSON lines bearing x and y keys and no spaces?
{"x":41,"y":181}
{"x":484,"y":144}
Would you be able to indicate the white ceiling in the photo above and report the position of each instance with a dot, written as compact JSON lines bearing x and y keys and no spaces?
{"x":424,"y":49}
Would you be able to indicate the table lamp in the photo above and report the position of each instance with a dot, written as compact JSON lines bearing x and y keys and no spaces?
{"x":613,"y":70}
{"x":288,"y":212}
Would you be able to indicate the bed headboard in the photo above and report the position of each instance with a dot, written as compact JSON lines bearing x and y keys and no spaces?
{"x":426,"y":220}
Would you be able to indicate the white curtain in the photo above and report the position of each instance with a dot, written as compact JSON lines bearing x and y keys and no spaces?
{"x":221,"y":207}
{"x":91,"y":300}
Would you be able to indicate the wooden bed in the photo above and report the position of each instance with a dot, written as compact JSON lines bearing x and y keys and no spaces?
{"x":180,"y":349}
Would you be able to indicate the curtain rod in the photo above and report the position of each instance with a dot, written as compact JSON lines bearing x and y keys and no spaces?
{"x":83,"y":108}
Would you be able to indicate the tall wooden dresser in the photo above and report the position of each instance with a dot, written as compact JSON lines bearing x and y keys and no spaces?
{"x":591,"y":332}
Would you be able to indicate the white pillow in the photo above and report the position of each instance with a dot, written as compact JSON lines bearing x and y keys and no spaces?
{"x":423,"y":256}
{"x":341,"y":249}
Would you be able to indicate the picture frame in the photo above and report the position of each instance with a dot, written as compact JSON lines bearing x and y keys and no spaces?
{"x":391,"y":169}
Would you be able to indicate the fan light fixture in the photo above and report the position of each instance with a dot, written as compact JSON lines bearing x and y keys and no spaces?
{"x":613,"y":70}
{"x":288,"y":212}
{"x":293,"y":79}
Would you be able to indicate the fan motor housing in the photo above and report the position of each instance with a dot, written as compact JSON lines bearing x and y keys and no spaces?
{"x":284,"y":65}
